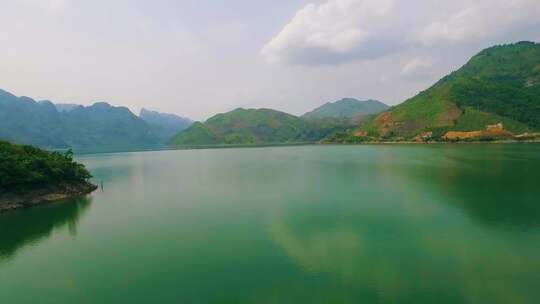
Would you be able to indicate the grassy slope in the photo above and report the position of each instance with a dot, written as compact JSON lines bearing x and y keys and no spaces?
{"x":244,"y":126}
{"x":198,"y":133}
{"x":503,"y":82}
{"x":472,"y":119}
{"x":258,"y":126}
{"x":346,"y":108}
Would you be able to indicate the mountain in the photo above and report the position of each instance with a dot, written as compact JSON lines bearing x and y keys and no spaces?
{"x":258,"y":126}
{"x":501,"y":84}
{"x":66,"y":107}
{"x":164,"y":125}
{"x":244,"y":126}
{"x":25,"y":121}
{"x":103,"y":125}
{"x":346,"y":108}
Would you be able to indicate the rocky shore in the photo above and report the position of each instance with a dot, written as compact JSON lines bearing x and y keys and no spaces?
{"x":12,"y":201}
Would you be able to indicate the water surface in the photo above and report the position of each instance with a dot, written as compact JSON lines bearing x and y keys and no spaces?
{"x":310,"y":224}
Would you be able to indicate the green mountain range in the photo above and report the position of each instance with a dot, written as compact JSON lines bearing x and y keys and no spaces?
{"x":497,"y":93}
{"x":65,"y":107}
{"x":244,"y":126}
{"x":44,"y":124}
{"x":258,"y":126}
{"x":494,"y":95}
{"x":23,"y":120}
{"x":102,"y":125}
{"x":499,"y":85}
{"x":347,"y":108}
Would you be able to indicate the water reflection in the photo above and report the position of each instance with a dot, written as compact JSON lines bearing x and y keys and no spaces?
{"x":443,"y":230}
{"x":362,"y":224}
{"x":494,"y":185}
{"x":331,"y":250}
{"x":404,"y":263}
{"x":25,"y":227}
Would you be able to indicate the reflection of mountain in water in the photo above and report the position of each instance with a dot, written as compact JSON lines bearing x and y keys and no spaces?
{"x":453,"y":225}
{"x":23,"y":227}
{"x":385,"y":259}
{"x":489,"y":183}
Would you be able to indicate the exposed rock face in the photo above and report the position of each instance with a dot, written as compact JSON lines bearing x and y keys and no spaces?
{"x":361,"y":134}
{"x":463,"y":135}
{"x":496,"y":130}
{"x":11,"y":201}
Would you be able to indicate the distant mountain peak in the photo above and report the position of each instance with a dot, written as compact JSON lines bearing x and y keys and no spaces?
{"x":66,"y":107}
{"x":102,"y":104}
{"x":6,"y":94}
{"x":145,"y":113}
{"x":23,"y":120}
{"x":244,"y":126}
{"x":346,"y":108}
{"x":165,"y":125}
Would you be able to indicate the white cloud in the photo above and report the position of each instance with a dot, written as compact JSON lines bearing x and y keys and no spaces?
{"x":338,"y":31}
{"x":418,"y":68}
{"x":337,"y":27}
{"x":482,"y":20}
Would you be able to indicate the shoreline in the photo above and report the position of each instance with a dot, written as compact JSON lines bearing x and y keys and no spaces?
{"x":194,"y":147}
{"x":248,"y":146}
{"x":434,"y":142}
{"x":43,"y":196}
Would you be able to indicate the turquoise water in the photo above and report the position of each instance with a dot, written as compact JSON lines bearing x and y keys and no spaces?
{"x":308,"y":224}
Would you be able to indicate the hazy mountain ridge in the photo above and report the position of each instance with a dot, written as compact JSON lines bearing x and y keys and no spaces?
{"x":66,"y":107}
{"x":106,"y":126}
{"x":26,"y":121}
{"x":23,"y":120}
{"x":164,"y":125}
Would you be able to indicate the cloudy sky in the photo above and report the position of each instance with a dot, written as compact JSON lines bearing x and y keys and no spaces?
{"x":199,"y":57}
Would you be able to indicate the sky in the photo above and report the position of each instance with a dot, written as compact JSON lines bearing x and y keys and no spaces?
{"x":197,"y":58}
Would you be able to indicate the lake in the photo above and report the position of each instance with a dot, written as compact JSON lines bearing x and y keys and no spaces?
{"x":303,"y":224}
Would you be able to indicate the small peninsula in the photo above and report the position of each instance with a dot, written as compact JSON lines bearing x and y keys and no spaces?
{"x":31,"y":176}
